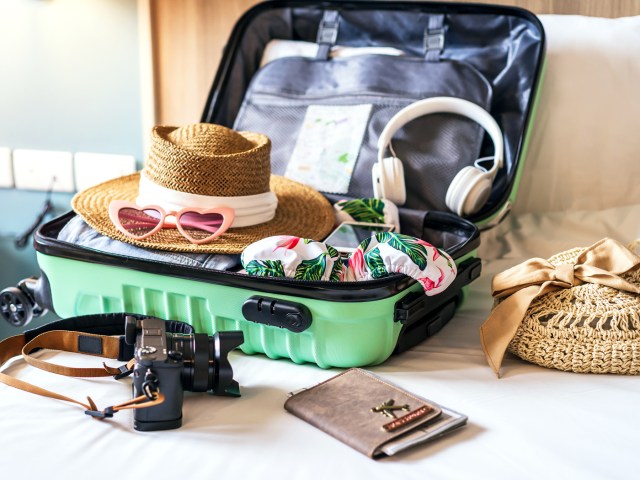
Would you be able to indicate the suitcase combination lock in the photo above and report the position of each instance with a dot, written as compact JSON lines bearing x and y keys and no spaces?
{"x":275,"y":312}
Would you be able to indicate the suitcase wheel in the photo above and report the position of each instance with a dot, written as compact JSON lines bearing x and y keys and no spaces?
{"x":17,"y":304}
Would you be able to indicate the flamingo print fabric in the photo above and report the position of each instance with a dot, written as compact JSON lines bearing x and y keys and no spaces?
{"x":383,"y":254}
{"x":293,"y":257}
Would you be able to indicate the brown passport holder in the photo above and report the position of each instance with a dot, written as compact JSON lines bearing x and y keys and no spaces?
{"x":361,"y":410}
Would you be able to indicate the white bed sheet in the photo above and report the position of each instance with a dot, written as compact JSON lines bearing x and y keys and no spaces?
{"x":532,"y":423}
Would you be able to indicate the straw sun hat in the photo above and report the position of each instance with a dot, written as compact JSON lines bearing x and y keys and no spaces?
{"x":193,"y":163}
{"x":578,"y":311}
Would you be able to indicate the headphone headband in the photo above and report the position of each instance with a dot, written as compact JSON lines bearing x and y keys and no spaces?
{"x":454,"y":105}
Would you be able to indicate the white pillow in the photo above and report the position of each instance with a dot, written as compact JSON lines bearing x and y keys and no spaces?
{"x":584,"y":152}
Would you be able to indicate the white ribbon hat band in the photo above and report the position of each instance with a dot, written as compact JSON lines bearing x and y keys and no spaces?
{"x":249,"y":210}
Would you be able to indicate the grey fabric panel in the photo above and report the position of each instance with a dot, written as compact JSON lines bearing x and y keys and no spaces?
{"x":370,"y":74}
{"x":77,"y":232}
{"x":433,"y":148}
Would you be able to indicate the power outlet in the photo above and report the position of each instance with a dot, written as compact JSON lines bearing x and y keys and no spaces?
{"x":6,"y":172}
{"x":94,"y":168}
{"x":43,"y":170}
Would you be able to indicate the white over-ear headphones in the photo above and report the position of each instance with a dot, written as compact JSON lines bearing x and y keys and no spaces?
{"x":470,"y":188}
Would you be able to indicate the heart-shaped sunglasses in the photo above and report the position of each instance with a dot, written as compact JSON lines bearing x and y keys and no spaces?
{"x":198,"y":225}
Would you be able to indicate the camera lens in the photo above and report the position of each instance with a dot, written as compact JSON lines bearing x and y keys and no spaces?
{"x":206,"y":367}
{"x":198,"y":354}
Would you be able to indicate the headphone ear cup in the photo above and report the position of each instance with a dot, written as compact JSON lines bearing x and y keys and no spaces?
{"x":469,"y":191}
{"x":392,"y":180}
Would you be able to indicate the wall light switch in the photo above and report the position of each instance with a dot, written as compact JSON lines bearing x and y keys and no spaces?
{"x":94,"y":168}
{"x":6,"y":170}
{"x":43,"y":170}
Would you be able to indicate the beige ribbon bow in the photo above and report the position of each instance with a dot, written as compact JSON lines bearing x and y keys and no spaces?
{"x":601,"y":263}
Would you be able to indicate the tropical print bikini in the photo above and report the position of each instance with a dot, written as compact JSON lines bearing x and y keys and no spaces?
{"x":381,"y":255}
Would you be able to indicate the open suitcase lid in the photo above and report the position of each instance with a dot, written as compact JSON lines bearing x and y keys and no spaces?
{"x":504,"y":45}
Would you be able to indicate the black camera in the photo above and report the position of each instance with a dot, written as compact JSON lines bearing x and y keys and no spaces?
{"x":174,"y":362}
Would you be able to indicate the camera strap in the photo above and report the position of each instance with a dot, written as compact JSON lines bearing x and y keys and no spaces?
{"x":98,"y":335}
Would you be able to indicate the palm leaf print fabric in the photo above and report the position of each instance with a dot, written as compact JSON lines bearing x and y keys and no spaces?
{"x":381,"y":255}
{"x":386,"y":253}
{"x":299,"y":258}
{"x":369,"y":210}
{"x":265,"y":268}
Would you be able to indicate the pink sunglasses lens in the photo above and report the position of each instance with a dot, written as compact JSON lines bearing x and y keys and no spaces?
{"x":201,"y":225}
{"x":139,"y":222}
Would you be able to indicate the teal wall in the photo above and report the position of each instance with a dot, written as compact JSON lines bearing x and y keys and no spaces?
{"x":69,"y":80}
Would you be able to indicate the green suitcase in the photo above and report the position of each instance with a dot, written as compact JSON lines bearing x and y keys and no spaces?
{"x":330,"y":324}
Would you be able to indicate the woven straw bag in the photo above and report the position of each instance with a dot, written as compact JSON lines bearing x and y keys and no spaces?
{"x":589,"y":328}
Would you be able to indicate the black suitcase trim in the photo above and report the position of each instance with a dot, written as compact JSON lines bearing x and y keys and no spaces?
{"x":45,"y":242}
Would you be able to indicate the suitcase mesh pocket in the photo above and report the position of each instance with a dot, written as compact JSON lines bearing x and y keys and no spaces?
{"x":433,"y":148}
